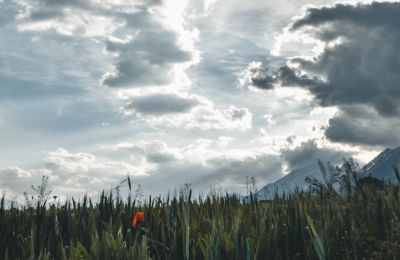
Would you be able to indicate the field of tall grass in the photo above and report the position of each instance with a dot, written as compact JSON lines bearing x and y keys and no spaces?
{"x":361,"y":221}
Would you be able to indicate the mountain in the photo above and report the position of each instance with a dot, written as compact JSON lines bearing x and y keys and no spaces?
{"x":289,"y":183}
{"x":380,"y":167}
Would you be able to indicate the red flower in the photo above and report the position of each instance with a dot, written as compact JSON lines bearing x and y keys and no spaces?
{"x":139,"y":217}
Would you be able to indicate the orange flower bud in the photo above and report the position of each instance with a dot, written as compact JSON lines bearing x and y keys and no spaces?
{"x":139,"y":217}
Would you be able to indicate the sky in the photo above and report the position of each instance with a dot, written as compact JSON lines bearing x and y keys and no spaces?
{"x":204,"y":92}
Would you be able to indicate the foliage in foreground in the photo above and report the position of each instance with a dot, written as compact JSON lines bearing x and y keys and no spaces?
{"x":360,"y":222}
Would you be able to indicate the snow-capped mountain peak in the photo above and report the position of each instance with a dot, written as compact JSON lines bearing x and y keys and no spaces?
{"x":381,"y":167}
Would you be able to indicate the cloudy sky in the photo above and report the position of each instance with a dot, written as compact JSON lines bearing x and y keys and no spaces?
{"x":205,"y":92}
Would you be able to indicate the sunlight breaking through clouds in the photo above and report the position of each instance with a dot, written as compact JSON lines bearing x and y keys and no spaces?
{"x":197,"y":91}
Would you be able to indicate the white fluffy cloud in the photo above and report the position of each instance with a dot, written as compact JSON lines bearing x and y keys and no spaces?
{"x":170,"y":68}
{"x":62,"y":163}
{"x":206,"y":118}
{"x":72,"y":174}
{"x":181,"y":110}
{"x":148,"y":163}
{"x":148,"y":39}
{"x":154,"y":151}
{"x":151,"y":54}
{"x":204,"y":163}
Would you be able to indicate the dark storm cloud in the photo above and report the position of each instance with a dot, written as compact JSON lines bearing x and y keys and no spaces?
{"x":262,"y":79}
{"x":159,"y":104}
{"x":259,"y":76}
{"x":363,"y":67}
{"x":308,"y":153}
{"x":375,"y":14}
{"x":288,"y":76}
{"x":362,"y":125}
{"x":358,"y":66}
{"x":356,"y":74}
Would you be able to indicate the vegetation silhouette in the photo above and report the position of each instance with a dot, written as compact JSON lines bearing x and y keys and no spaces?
{"x":358,"y":220}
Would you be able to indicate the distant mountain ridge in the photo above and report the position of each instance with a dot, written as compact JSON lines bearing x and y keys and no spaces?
{"x":380,"y":167}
